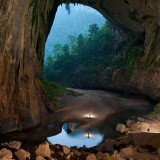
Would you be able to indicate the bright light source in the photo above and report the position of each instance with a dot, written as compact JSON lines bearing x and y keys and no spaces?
{"x":88,"y":135}
{"x":89,"y":115}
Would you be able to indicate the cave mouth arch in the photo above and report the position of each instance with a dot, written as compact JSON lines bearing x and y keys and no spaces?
{"x":26,"y":25}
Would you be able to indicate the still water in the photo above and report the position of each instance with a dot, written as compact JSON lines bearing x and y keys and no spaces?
{"x":93,"y":137}
{"x":80,"y":137}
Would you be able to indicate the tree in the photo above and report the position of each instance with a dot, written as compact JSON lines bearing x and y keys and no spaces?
{"x":66,"y":49}
{"x":72,"y":44}
{"x":57,"y":51}
{"x":81,"y":60}
{"x":93,"y":29}
{"x":80,"y":42}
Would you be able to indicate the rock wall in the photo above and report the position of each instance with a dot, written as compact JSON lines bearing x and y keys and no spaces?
{"x":24,"y":27}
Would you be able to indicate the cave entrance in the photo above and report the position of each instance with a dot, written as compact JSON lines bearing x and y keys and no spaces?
{"x":78,"y":48}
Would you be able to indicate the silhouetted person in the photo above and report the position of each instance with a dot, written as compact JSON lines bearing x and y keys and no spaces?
{"x":88,"y":135}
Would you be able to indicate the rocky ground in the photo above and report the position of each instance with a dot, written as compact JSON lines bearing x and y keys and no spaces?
{"x":142,"y":144}
{"x":13,"y":150}
{"x":139,"y":140}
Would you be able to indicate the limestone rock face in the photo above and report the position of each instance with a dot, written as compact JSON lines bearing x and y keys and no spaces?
{"x":24,"y":27}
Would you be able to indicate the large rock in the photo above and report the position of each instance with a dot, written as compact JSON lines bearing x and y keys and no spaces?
{"x":76,"y":152}
{"x":117,"y":156}
{"x":43,"y":150}
{"x":129,"y":123}
{"x":71,"y":126}
{"x":66,"y":150}
{"x":105,"y":156}
{"x":39,"y":158}
{"x":121,"y":128}
{"x":91,"y":157}
{"x":68,"y":156}
{"x":5,"y":154}
{"x":128,"y":151}
{"x":13,"y":144}
{"x":22,"y":154}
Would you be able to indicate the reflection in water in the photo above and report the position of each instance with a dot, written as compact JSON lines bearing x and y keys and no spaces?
{"x":89,"y":135}
{"x":78,"y":138}
{"x":93,"y":137}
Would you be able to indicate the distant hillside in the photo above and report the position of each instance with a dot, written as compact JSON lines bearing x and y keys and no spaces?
{"x":74,"y":23}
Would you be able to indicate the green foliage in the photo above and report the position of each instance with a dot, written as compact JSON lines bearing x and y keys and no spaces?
{"x":93,"y":29}
{"x":74,"y":24}
{"x":66,"y":50}
{"x":132,"y":58}
{"x":52,"y":91}
{"x":82,"y":57}
{"x":156,"y":110}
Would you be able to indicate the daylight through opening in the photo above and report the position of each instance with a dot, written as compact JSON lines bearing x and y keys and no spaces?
{"x":79,"y":45}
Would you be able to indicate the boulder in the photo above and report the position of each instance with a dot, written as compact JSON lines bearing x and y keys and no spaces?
{"x":129,"y":123}
{"x":66,"y":150}
{"x":52,"y":152}
{"x":76,"y":152}
{"x":6,"y":159}
{"x":68,"y":156}
{"x":140,"y":119}
{"x":43,"y":150}
{"x":101,"y":156}
{"x":5,"y":154}
{"x":117,"y":156}
{"x":61,"y":154}
{"x":58,"y":147}
{"x":22,"y":154}
{"x":121,"y":128}
{"x":91,"y":157}
{"x":128,"y":151}
{"x":39,"y":158}
{"x":71,"y":126}
{"x":15,"y":144}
